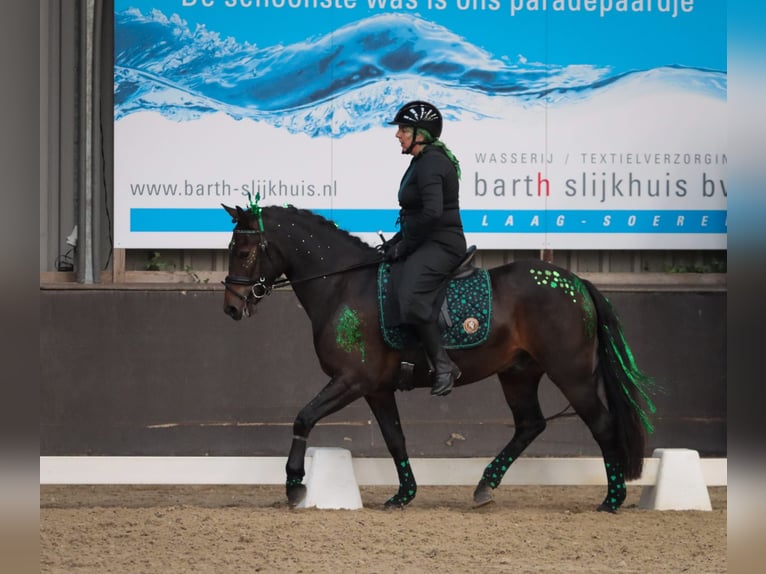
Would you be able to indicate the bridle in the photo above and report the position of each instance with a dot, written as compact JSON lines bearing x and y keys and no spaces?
{"x":260,"y":288}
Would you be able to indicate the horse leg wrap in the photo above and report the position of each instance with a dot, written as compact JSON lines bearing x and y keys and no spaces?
{"x":294,"y":476}
{"x":295,"y":491}
{"x":294,"y":487}
{"x":293,"y":482}
{"x":407,"y":486}
{"x":616,"y":489}
{"x":496,"y":470}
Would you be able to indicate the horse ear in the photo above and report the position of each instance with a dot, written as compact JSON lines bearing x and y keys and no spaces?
{"x":235,"y":213}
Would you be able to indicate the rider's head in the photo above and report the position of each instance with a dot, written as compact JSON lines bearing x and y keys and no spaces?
{"x":420,"y":121}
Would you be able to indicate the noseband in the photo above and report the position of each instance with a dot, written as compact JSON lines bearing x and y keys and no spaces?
{"x":258,"y":288}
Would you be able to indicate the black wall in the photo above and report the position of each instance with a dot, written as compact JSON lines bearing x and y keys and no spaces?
{"x":165,"y":372}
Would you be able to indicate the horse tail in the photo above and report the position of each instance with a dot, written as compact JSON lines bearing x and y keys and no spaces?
{"x":626,"y":387}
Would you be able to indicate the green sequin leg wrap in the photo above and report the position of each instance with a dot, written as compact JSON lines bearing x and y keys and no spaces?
{"x":407,"y":485}
{"x":496,"y":470}
{"x":617,"y":490}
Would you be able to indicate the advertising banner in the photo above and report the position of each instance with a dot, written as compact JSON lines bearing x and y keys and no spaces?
{"x":579,"y":124}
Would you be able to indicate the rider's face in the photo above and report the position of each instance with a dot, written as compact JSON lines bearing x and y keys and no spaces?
{"x":405,"y":134}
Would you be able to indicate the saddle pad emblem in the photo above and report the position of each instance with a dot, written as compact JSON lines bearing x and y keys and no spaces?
{"x":471,"y":325}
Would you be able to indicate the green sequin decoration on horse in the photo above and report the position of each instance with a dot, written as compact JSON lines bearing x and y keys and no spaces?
{"x":572,"y":287}
{"x":348,"y":333}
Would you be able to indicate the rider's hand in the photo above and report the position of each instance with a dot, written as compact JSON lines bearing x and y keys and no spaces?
{"x":393,"y":251}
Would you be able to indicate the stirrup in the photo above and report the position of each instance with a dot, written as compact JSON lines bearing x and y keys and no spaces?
{"x":406,"y":379}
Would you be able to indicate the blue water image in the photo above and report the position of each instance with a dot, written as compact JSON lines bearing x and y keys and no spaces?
{"x":352,"y":79}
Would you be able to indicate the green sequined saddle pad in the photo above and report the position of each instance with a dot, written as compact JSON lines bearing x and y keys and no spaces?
{"x":464,"y":318}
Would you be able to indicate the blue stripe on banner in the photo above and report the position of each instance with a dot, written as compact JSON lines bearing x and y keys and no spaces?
{"x":177,"y":220}
{"x":595,"y":221}
{"x":186,"y":220}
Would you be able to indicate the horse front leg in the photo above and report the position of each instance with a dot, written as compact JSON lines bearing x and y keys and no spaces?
{"x":338,"y":393}
{"x":383,"y":407}
{"x":296,"y":470}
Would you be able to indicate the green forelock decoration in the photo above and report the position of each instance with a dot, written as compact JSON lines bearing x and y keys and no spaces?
{"x":254,"y":208}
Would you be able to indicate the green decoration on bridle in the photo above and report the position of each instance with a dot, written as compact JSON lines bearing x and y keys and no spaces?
{"x":254,"y":208}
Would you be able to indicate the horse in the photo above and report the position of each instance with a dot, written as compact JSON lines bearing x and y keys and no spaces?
{"x":544,"y":320}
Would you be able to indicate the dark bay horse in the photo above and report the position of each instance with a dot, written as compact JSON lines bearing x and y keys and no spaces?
{"x":544,"y":320}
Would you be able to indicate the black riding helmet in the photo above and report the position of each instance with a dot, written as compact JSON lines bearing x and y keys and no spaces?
{"x":419,"y":114}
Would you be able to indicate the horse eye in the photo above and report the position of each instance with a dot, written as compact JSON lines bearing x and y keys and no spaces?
{"x":243,"y":254}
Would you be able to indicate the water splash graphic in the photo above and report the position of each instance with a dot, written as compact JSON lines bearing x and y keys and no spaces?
{"x":352,"y":79}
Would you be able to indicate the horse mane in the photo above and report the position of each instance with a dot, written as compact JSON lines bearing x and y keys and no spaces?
{"x":320,"y":221}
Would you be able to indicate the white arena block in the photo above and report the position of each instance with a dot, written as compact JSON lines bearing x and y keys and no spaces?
{"x":679,"y":484}
{"x":330,"y":480}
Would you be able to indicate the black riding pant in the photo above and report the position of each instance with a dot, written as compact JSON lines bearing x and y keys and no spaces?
{"x":422,"y":279}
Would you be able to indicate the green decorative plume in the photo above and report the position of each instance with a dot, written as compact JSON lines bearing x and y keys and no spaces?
{"x":254,"y":208}
{"x":639,"y":380}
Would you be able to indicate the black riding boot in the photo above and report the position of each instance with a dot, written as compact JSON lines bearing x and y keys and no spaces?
{"x":445,"y":372}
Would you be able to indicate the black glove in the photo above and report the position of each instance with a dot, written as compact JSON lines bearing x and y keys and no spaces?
{"x":393,"y":251}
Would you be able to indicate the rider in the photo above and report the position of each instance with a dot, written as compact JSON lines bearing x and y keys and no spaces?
{"x":430,"y":242}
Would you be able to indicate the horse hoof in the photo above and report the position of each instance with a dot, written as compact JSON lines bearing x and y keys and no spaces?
{"x":604,"y":508}
{"x":482,"y":495}
{"x":296,"y":494}
{"x":397,"y":502}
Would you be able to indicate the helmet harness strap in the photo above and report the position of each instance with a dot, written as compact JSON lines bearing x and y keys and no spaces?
{"x":414,"y":142}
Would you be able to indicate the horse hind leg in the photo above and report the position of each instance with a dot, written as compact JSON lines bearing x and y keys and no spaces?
{"x":520,"y":391}
{"x":582,"y":393}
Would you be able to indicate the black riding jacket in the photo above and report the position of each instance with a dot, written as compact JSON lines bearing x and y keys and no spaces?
{"x":428,"y":197}
{"x":431,"y":233}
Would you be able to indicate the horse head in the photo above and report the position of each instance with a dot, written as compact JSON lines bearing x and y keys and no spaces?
{"x":252,"y":265}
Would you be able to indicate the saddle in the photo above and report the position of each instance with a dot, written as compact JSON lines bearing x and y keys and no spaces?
{"x":465,"y":267}
{"x":463,"y":270}
{"x":464,"y":314}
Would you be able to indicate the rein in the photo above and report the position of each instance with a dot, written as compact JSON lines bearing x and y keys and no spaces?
{"x":285,"y":281}
{"x":259,"y":288}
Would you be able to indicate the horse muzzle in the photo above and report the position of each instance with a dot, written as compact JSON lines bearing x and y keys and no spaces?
{"x":234,"y":311}
{"x":239,"y":303}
